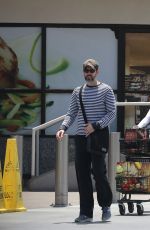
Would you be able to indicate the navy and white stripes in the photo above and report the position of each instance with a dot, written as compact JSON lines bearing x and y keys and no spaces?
{"x":99,"y":103}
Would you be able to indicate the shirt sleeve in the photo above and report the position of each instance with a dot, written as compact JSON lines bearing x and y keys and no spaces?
{"x":145,"y":121}
{"x":72,"y":112}
{"x":110,"y":104}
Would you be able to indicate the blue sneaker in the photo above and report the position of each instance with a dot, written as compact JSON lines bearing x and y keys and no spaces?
{"x":106,"y":214}
{"x":83,"y":219}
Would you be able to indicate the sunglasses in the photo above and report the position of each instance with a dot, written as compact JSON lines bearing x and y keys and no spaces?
{"x":89,"y":70}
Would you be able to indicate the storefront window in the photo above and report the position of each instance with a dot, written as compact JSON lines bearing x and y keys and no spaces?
{"x":137,"y":75}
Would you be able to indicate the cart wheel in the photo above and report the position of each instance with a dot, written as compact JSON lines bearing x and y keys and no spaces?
{"x":140,"y":209}
{"x":122,"y":209}
{"x":130,"y":207}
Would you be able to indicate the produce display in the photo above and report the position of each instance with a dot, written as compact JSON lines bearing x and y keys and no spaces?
{"x":133,"y":177}
{"x":133,"y":174}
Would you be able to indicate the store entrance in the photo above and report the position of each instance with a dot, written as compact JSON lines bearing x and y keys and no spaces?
{"x":137,"y":75}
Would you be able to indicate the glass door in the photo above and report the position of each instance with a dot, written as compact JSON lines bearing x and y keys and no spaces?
{"x":137,"y":75}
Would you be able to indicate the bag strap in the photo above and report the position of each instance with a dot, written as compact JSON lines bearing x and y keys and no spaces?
{"x":82,"y":106}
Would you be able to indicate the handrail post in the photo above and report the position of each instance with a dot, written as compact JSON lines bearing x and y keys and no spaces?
{"x":113,"y":158}
{"x":33,"y":153}
{"x":37,"y":153}
{"x":34,"y":140}
{"x":61,"y":173}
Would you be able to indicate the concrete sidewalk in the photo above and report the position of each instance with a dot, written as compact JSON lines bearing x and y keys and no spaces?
{"x":46,"y":199}
{"x":41,"y":214}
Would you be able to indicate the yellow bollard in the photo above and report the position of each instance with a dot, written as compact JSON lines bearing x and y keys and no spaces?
{"x":2,"y":202}
{"x":12,"y":186}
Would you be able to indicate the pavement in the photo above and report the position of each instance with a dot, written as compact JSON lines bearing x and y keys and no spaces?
{"x":42,"y":214}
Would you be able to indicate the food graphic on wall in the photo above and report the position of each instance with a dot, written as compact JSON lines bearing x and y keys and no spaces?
{"x":58,"y":67}
{"x":19,"y":109}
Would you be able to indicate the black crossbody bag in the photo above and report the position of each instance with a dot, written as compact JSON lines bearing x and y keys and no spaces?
{"x":98,"y":141}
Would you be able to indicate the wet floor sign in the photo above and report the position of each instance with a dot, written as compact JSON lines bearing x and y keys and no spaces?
{"x":12,"y":187}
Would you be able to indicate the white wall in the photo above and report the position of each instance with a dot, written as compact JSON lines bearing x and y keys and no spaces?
{"x":76,"y":11}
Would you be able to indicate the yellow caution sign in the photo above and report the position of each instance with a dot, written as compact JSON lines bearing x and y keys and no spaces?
{"x":12,"y":186}
{"x":2,"y":202}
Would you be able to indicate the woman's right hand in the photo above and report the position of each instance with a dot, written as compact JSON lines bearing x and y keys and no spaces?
{"x":60,"y":134}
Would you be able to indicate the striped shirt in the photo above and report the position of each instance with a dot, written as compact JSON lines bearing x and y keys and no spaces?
{"x":99,"y":104}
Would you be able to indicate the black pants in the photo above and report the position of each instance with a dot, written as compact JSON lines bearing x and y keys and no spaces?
{"x":88,"y":164}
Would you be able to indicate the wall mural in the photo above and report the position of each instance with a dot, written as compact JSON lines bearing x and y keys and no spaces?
{"x":20,"y":61}
{"x":17,"y":110}
{"x":66,"y":49}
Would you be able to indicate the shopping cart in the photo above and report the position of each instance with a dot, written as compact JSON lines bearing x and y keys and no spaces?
{"x":133,"y":174}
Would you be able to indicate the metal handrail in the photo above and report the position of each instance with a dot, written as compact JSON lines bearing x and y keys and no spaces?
{"x":137,"y":103}
{"x":35,"y":135}
{"x":35,"y":140}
